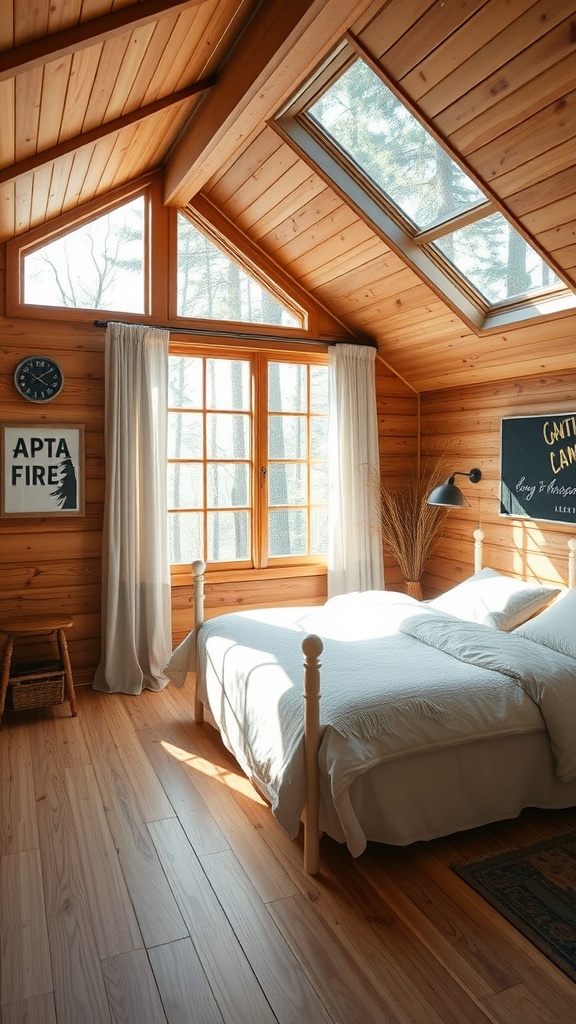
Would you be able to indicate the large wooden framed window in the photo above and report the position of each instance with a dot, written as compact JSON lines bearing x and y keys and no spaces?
{"x":248,"y":458}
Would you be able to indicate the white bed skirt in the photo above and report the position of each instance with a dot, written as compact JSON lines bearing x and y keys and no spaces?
{"x":447,"y":790}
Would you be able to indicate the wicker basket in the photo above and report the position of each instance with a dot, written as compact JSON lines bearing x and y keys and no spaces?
{"x":37,"y":689}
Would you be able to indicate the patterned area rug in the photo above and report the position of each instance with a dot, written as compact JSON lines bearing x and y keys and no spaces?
{"x":534,"y":887}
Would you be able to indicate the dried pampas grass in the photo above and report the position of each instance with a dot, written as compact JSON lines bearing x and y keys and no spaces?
{"x":411,"y":528}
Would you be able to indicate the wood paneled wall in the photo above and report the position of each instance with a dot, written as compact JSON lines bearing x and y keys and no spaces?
{"x":398,"y":419}
{"x":54,"y":563}
{"x":466,"y":423}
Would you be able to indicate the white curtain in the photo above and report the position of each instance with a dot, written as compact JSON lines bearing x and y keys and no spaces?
{"x":136,"y":606}
{"x":355,"y":544}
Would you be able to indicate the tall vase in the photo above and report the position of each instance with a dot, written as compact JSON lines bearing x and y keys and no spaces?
{"x":414,"y":589}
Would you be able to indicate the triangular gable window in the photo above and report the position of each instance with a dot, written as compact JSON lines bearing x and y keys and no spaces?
{"x":212,"y":285}
{"x":99,"y":265}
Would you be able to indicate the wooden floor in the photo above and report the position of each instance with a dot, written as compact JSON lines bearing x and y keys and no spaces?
{"x":143,"y":881}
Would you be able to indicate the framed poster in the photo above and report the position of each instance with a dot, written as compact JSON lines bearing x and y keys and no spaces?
{"x":43,"y":470}
{"x":538,"y":467}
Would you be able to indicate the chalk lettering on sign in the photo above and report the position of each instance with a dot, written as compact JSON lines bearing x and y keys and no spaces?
{"x":562,"y":491}
{"x":526,"y":489}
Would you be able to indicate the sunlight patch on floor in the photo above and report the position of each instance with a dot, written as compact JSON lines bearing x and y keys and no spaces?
{"x":234,"y":781}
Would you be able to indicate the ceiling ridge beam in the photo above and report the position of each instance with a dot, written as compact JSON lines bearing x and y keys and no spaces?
{"x":48,"y":48}
{"x":253,"y":80}
{"x":108,"y":128}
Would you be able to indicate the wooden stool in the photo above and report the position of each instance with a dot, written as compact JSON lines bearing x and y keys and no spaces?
{"x":39,"y":682}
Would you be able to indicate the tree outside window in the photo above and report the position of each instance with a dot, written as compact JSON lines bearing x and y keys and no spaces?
{"x":99,"y":265}
{"x":247,"y":474}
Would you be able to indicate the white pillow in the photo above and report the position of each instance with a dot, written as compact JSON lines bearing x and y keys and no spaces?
{"x":495,"y":600}
{"x":555,"y":627}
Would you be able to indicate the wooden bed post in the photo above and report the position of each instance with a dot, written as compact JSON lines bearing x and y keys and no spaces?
{"x":478,"y":538}
{"x":312,"y":647}
{"x":572,"y":562}
{"x":198,"y":568}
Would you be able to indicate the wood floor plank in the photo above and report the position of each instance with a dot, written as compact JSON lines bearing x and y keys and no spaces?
{"x":522,"y":1003}
{"x":287,"y":852}
{"x":113,"y":919}
{"x":145,"y":711}
{"x":107,"y":714}
{"x":493,"y":947}
{"x":66,"y":733}
{"x":480,"y":972}
{"x":440,"y":923}
{"x":25,"y":968}
{"x":176,"y":776}
{"x":412,"y":983}
{"x":132,"y":991}
{"x":184,"y":989}
{"x":288,"y":990}
{"x":77,"y":978}
{"x":18,"y":824}
{"x":509,"y":946}
{"x":223,"y":959}
{"x":36,"y":1010}
{"x":345,"y":991}
{"x":214,"y":781}
{"x":233,"y":935}
{"x":157,"y":913}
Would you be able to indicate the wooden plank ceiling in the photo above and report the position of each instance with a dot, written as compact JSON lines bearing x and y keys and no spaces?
{"x":496,"y":80}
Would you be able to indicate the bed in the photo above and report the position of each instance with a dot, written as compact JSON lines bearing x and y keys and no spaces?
{"x":435,"y":716}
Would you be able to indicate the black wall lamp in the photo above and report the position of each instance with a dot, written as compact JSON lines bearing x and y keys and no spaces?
{"x":450,"y":495}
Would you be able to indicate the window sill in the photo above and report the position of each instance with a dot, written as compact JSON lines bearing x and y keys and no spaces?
{"x":182,"y":575}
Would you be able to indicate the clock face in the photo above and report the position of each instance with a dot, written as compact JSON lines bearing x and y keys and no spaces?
{"x":38,"y":378}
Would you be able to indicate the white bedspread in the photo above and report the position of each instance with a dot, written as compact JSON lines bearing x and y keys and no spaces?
{"x":411,"y":679}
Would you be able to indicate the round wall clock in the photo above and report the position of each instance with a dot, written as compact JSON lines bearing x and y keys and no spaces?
{"x":38,"y":378}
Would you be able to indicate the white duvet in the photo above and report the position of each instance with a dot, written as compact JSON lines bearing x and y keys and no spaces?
{"x":396,"y":679}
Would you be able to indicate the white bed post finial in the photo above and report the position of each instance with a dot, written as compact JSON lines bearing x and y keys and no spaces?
{"x":312,"y":647}
{"x":572,"y":562}
{"x":478,"y":538}
{"x":198,"y":568}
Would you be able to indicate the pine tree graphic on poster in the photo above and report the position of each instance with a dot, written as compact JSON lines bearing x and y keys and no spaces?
{"x":67,"y":492}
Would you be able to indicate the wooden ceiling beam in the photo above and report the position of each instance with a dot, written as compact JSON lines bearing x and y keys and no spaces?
{"x":77,"y":141}
{"x":87,"y":33}
{"x":283,"y":41}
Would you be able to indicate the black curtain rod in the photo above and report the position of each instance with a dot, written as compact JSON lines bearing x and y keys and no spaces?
{"x":204,"y":333}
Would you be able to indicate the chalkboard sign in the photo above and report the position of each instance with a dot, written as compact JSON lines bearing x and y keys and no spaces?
{"x":538,"y":467}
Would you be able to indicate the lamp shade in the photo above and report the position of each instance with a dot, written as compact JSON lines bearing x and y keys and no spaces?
{"x":449,"y":494}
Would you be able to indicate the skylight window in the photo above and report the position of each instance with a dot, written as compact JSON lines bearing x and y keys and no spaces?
{"x":495,"y":258}
{"x":419,"y":198}
{"x":390,"y":146}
